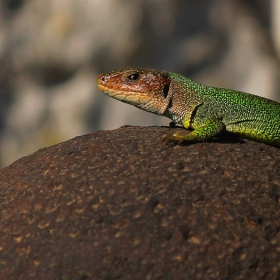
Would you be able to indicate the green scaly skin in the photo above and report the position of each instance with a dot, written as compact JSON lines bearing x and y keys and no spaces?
{"x":207,"y":111}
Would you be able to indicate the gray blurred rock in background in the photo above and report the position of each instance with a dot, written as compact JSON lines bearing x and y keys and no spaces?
{"x":51,"y":52}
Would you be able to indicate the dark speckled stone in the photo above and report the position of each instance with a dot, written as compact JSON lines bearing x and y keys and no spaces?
{"x":122,"y":205}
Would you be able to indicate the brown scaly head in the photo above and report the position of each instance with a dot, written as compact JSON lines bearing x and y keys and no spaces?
{"x":145,"y":89}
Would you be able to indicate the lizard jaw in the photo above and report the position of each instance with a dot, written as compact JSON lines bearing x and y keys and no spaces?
{"x":132,"y":98}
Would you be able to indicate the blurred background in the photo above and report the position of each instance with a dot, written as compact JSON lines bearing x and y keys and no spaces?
{"x":51,"y":52}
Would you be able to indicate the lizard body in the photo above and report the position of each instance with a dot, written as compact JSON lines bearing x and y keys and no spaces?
{"x":206,"y":110}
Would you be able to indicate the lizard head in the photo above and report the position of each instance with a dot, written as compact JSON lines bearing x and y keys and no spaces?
{"x":145,"y":89}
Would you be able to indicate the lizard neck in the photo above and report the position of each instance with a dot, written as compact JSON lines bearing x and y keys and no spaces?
{"x":184,"y":99}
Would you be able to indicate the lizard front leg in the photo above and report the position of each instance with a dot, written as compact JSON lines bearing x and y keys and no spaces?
{"x":202,"y":132}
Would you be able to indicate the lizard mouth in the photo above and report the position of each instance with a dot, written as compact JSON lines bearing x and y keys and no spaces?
{"x":132,"y":98}
{"x":111,"y":91}
{"x":129,"y":97}
{"x":101,"y":87}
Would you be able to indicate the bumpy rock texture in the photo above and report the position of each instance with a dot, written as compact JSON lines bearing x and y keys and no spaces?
{"x":122,"y":205}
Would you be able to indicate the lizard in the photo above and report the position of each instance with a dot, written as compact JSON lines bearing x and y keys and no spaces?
{"x":205,"y":110}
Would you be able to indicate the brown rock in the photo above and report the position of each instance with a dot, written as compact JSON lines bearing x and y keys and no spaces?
{"x":122,"y":205}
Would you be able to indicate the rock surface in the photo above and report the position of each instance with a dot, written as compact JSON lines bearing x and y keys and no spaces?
{"x":122,"y":205}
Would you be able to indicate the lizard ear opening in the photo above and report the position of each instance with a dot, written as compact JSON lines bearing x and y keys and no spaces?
{"x":166,"y":90}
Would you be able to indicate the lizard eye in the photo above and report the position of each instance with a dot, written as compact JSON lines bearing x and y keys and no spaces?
{"x":133,"y":77}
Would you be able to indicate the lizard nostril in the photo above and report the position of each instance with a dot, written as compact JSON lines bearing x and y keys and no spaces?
{"x":101,"y":79}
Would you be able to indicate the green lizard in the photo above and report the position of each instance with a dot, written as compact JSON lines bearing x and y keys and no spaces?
{"x":207,"y":111}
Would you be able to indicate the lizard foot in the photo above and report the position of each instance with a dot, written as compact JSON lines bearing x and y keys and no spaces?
{"x":172,"y":139}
